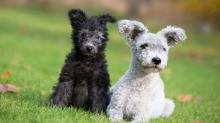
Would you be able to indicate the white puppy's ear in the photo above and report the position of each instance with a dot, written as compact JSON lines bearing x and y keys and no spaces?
{"x":173,"y":35}
{"x":131,"y":29}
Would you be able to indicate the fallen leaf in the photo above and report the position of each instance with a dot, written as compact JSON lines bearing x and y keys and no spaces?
{"x":11,"y":88}
{"x":184,"y":97}
{"x":6,"y":75}
{"x":197,"y":121}
{"x":8,"y":88}
{"x":2,"y":88}
{"x":195,"y":56}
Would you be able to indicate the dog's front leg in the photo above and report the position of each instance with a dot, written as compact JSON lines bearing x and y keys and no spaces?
{"x":99,"y":96}
{"x":62,"y":94}
{"x":117,"y":103}
{"x":115,"y":110}
{"x":168,"y":108}
{"x":99,"y":99}
{"x":144,"y":112}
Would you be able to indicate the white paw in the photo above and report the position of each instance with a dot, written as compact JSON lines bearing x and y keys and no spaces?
{"x":115,"y":118}
{"x":169,"y":108}
{"x":140,"y":120}
{"x":114,"y":115}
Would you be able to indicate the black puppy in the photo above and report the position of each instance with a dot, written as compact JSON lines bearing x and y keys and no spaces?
{"x":84,"y":79}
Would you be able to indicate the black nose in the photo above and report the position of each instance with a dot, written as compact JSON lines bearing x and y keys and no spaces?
{"x":89,"y":48}
{"x":156,"y":60}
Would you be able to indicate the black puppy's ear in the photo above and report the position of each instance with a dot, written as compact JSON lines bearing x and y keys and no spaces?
{"x":77,"y":17}
{"x":106,"y":18}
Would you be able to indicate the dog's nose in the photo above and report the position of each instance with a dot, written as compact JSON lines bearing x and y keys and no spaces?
{"x":156,"y":60}
{"x":89,"y":48}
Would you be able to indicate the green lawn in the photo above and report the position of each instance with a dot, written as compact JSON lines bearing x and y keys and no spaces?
{"x":33,"y":45}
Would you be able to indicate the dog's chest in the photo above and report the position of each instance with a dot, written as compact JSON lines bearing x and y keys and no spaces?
{"x":140,"y":94}
{"x":87,"y":67}
{"x":136,"y":97}
{"x":88,"y":72}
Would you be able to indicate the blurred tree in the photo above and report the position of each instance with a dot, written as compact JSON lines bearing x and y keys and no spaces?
{"x":207,"y":11}
{"x":133,"y":7}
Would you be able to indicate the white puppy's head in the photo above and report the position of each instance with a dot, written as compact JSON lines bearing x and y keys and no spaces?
{"x":150,"y":49}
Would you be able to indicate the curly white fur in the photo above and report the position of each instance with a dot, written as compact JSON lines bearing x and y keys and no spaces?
{"x":139,"y":94}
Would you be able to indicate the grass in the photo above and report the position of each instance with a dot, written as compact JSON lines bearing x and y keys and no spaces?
{"x":33,"y":45}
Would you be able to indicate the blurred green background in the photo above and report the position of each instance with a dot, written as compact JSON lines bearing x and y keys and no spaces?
{"x":35,"y":37}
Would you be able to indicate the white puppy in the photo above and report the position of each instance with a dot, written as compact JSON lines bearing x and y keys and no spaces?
{"x":139,"y":94}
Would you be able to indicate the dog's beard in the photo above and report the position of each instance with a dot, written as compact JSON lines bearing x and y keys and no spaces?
{"x":88,"y":54}
{"x":152,"y":68}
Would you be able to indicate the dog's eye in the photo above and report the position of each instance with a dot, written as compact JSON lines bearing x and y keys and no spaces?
{"x":143,"y":46}
{"x":164,"y":49}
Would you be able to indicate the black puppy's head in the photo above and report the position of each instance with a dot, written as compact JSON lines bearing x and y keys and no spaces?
{"x":90,"y":33}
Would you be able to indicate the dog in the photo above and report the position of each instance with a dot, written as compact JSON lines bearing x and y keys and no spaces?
{"x":139,"y":94}
{"x":84,"y":79}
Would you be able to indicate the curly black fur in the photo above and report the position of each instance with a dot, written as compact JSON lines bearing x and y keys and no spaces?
{"x":84,"y":79}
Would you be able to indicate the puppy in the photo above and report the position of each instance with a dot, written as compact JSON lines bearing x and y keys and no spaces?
{"x":139,"y":94}
{"x":84,"y":79}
